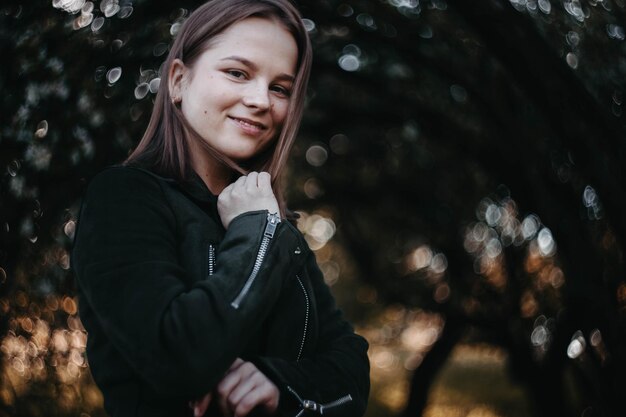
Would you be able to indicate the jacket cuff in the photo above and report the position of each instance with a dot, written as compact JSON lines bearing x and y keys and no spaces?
{"x":284,"y":248}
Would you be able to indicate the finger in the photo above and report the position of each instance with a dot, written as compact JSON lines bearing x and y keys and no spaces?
{"x":236,"y":364}
{"x":240,"y":182}
{"x":263,"y":395}
{"x":227,"y":385}
{"x":241,"y":179}
{"x":224,"y":389}
{"x":265,"y":181}
{"x":244,"y":387}
{"x":247,"y":403}
{"x":239,"y":373}
{"x":251,"y":181}
{"x":227,"y":190}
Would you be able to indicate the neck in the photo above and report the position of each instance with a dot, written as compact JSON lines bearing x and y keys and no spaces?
{"x":215,"y":175}
{"x":213,"y":172}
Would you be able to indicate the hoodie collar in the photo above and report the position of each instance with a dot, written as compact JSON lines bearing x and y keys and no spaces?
{"x":197,"y":189}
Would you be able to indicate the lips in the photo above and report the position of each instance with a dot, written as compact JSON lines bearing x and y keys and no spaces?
{"x":247,"y":125}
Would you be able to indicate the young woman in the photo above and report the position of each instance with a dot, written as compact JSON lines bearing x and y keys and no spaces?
{"x":198,"y":294}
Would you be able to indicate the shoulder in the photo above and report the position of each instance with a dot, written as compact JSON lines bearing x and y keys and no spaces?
{"x":123,"y":190}
{"x":124,"y":198}
{"x":119,"y":180}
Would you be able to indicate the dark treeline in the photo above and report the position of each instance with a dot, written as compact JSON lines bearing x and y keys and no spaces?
{"x":469,"y":152}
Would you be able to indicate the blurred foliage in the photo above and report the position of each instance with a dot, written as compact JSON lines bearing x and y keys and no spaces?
{"x":459,"y":171}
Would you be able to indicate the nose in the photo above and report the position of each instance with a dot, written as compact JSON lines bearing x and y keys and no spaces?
{"x":257,"y":96}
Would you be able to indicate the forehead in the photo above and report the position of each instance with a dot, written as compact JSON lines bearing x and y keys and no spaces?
{"x":260,"y":40}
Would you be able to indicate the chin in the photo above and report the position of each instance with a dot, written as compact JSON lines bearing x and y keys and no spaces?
{"x":240,"y":156}
{"x":245,"y":155}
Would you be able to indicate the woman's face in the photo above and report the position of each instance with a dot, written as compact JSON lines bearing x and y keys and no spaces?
{"x":237,"y":92}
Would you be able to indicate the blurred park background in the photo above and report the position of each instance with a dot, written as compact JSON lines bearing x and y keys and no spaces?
{"x":459,"y":173}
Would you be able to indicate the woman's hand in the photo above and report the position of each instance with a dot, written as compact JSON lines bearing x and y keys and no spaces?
{"x":243,"y":388}
{"x":249,"y":193}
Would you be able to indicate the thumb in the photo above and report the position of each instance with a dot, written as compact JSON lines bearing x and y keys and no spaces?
{"x":200,"y":406}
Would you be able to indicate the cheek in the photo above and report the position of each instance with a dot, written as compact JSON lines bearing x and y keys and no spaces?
{"x":279,"y":112}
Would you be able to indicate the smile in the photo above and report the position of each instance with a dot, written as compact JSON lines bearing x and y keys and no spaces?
{"x":248,"y":126}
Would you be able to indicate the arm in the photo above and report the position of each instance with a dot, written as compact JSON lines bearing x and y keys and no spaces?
{"x":335,"y":379}
{"x":180,"y":340}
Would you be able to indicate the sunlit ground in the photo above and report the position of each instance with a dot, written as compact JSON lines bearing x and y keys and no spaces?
{"x":474,"y":383}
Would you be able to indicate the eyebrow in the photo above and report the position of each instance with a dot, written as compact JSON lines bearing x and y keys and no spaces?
{"x":254,"y":67}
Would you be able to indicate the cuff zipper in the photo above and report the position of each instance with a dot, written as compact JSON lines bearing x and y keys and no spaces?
{"x":273,"y":219}
{"x":317,"y":407}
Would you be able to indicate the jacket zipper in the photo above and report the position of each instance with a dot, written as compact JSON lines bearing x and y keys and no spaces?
{"x":211,"y":259}
{"x":316,"y":407}
{"x":306,"y":319}
{"x":272,"y":222}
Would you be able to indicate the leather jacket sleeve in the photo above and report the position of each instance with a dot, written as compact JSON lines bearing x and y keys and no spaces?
{"x":334,"y":381}
{"x":125,"y":260}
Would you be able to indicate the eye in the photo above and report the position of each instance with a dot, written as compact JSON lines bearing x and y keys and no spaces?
{"x":236,"y":73}
{"x":283,"y":91}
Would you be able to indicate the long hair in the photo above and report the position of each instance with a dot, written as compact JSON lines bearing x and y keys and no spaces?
{"x":164,"y":146}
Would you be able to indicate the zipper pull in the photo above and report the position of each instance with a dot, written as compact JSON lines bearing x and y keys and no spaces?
{"x":272,"y":222}
{"x":311,"y":405}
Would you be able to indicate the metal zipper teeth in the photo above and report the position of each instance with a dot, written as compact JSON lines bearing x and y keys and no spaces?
{"x":306,"y":319}
{"x":270,"y":227}
{"x":293,"y":391}
{"x":211,"y":259}
{"x":300,"y":400}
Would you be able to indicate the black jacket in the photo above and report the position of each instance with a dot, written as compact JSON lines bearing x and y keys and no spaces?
{"x":170,"y":299}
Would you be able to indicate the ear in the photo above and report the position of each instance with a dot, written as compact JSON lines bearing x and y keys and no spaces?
{"x":175,"y":78}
